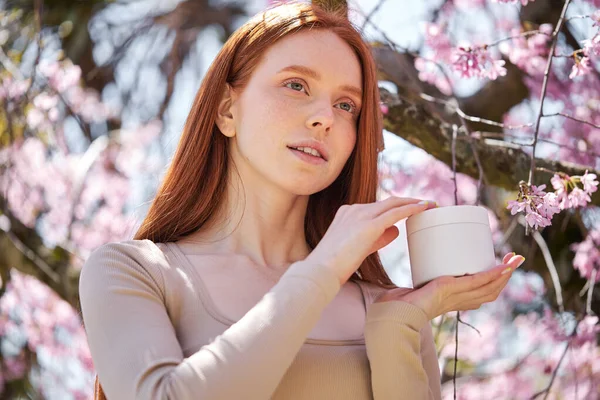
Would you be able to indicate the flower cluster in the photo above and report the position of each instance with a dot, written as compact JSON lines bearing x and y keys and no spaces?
{"x":469,"y":61}
{"x":477,"y":62}
{"x":529,"y":53}
{"x":33,"y":319}
{"x":574,"y":191}
{"x":523,"y":368}
{"x":539,"y":206}
{"x":586,"y":57}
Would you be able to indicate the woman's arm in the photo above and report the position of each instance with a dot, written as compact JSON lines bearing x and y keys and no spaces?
{"x":430,"y":359}
{"x":401,"y":352}
{"x":136,"y":352}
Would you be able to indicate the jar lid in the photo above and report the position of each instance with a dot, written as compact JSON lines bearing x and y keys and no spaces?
{"x":447,"y":215}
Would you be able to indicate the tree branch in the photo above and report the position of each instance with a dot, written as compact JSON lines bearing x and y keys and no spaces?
{"x":504,"y":163}
{"x":23,"y":249}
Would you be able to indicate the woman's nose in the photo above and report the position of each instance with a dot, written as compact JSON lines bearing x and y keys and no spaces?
{"x":322,"y":118}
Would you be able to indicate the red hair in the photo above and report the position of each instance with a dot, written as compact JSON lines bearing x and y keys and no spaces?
{"x":194,"y":185}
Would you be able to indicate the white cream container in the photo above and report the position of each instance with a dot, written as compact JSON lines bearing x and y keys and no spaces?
{"x":454,"y":240}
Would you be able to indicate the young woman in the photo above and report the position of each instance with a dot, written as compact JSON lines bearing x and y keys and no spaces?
{"x":255,"y":274}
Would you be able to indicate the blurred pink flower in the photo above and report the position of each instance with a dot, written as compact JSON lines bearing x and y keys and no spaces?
{"x":592,"y":46}
{"x":384,"y":108}
{"x":528,"y":52}
{"x":587,"y":255}
{"x":596,"y":18}
{"x":477,"y":62}
{"x":438,"y":41}
{"x":11,"y":89}
{"x":61,"y":76}
{"x":430,"y":73}
{"x":581,"y":67}
{"x":34,"y":319}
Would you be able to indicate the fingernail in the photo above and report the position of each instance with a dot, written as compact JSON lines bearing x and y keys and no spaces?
{"x":520,"y":262}
{"x":428,"y":202}
{"x":506,"y":271}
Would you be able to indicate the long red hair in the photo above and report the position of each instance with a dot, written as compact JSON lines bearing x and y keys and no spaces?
{"x":194,"y":185}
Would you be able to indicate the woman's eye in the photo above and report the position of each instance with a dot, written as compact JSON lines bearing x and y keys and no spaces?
{"x":297,"y":86}
{"x":346,"y":106}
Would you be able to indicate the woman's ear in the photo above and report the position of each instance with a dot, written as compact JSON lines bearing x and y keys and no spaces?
{"x":225,"y":121}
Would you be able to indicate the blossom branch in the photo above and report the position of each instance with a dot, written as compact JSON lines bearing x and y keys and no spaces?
{"x":591,"y":283}
{"x":503,"y":163}
{"x":24,"y":246}
{"x":572,"y":118}
{"x":522,"y":34}
{"x":455,"y":108}
{"x":453,"y":147}
{"x":481,"y":135}
{"x":549,"y":263}
{"x":545,"y":87}
{"x":555,"y":372}
{"x":370,"y":15}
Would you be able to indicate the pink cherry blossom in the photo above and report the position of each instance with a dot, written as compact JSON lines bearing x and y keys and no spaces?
{"x":34,"y":319}
{"x":539,"y":206}
{"x":592,"y":46}
{"x":596,"y":18}
{"x":587,"y":255}
{"x":528,"y":52}
{"x":437,"y":39}
{"x":430,"y":73}
{"x":581,"y":67}
{"x":575,"y":191}
{"x":12,"y":89}
{"x":590,"y":184}
{"x":476,"y":62}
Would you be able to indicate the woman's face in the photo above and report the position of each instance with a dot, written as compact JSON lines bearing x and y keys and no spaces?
{"x":307,"y":88}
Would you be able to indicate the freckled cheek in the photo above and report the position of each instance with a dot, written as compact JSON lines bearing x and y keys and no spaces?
{"x":265,"y":126}
{"x":350,"y":140}
{"x":278,"y":117}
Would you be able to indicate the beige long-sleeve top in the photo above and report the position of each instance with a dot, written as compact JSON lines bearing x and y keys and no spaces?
{"x":154,"y":333}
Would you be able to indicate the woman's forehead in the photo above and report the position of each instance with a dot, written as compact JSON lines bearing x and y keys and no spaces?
{"x":319,"y":54}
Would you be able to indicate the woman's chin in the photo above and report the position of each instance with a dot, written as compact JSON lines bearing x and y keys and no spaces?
{"x":306,"y":190}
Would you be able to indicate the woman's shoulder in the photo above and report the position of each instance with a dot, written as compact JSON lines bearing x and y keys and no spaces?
{"x":131,"y":257}
{"x":137,"y":250}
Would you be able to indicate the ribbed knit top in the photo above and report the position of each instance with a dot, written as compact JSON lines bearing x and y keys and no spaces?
{"x":155,"y":333}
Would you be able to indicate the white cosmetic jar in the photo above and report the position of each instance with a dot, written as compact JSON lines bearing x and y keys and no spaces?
{"x":454,"y":240}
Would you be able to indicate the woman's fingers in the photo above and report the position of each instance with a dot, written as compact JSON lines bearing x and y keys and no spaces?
{"x":473,"y":299}
{"x":391,"y":202}
{"x":468,"y":283}
{"x":484,"y":294}
{"x":507,"y":258}
{"x":393,"y":215}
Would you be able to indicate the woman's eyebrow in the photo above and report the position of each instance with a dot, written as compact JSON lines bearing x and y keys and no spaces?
{"x":316,"y":76}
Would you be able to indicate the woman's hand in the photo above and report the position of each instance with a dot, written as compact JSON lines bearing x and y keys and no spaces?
{"x":448,"y":293}
{"x":359,"y":230}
